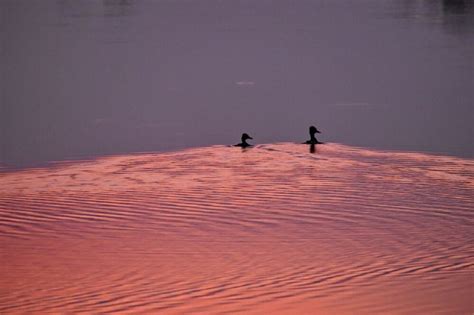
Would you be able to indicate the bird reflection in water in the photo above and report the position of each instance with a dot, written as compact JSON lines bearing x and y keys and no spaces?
{"x":313,"y":141}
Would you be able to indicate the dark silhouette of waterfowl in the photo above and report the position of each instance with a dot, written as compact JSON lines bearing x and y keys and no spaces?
{"x":244,"y":143}
{"x":312,"y":131}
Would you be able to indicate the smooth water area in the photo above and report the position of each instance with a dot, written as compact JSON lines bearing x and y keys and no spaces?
{"x":89,"y":78}
{"x":273,"y":229}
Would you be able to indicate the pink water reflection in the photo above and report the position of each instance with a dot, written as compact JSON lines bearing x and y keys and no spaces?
{"x":273,"y":229}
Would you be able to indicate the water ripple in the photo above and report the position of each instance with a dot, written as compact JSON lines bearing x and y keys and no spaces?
{"x":224,"y":230}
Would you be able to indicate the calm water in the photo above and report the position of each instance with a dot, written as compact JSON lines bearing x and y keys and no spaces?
{"x":217,"y":230}
{"x":87,"y":78}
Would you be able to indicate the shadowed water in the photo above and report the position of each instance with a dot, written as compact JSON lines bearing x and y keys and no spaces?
{"x":87,"y":78}
{"x":270,"y":229}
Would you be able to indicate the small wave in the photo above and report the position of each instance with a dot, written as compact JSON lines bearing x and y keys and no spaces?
{"x":274,"y":228}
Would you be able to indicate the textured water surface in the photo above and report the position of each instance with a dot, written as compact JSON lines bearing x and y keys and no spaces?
{"x":271,"y":229}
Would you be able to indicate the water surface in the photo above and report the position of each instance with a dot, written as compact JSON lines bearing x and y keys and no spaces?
{"x":87,"y":78}
{"x":218,"y":230}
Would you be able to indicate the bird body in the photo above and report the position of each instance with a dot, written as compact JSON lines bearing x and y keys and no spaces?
{"x":312,"y":131}
{"x":244,"y":143}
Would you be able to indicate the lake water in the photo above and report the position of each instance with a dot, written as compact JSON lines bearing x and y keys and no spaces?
{"x":87,"y":78}
{"x":219,"y":230}
{"x":119,"y":192}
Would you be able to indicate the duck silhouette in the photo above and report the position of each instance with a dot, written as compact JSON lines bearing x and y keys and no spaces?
{"x":244,"y":143}
{"x":312,"y":131}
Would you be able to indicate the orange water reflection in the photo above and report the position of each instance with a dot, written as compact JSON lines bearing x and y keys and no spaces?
{"x":273,"y":229}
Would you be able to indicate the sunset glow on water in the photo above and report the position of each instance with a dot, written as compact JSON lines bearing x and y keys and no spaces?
{"x":218,"y":230}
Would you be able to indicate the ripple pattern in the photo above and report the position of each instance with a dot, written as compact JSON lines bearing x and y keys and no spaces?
{"x":217,"y":230}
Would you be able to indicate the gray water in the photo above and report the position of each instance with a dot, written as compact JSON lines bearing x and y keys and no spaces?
{"x":87,"y":78}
